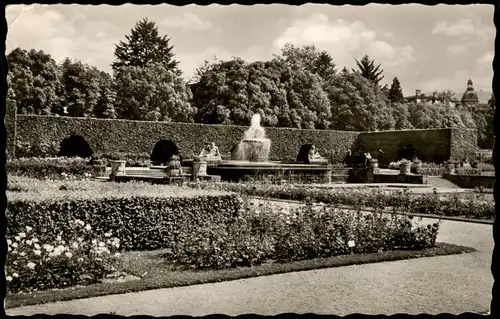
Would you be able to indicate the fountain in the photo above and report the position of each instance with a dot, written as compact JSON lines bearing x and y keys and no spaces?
{"x":254,"y":147}
{"x":250,"y":161}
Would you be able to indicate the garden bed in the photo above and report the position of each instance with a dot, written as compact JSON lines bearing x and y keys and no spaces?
{"x":153,"y":271}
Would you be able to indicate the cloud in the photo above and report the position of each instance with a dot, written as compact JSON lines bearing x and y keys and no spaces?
{"x":189,"y":62}
{"x":187,"y":21}
{"x":47,"y":29}
{"x":457,"y":48}
{"x":345,"y":41}
{"x":459,"y":28}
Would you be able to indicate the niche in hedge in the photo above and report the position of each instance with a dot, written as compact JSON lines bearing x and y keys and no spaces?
{"x":163,"y":152}
{"x":408,"y":152}
{"x":73,"y":146}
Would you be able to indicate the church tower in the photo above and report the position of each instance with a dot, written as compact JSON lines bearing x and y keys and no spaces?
{"x":470,"y":98}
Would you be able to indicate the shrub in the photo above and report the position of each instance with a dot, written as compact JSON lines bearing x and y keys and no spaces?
{"x":78,"y":257}
{"x":43,"y":149}
{"x":131,"y":159}
{"x":265,"y":232}
{"x":141,"y":223}
{"x":53,"y":168}
{"x":475,"y":206}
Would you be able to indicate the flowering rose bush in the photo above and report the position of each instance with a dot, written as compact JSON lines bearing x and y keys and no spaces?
{"x":71,"y":259}
{"x":264,"y":232}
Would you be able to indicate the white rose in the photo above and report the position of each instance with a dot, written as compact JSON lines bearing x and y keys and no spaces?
{"x":31,"y":265}
{"x":87,"y":227}
{"x":17,"y":238}
{"x":22,"y":235}
{"x":37,"y":252}
{"x":9,"y":242}
{"x":37,"y":246}
{"x":28,"y":228}
{"x":28,"y":242}
{"x":101,"y":244}
{"x":107,"y":234}
{"x":15,"y":275}
{"x":8,"y":278}
{"x":22,"y":254}
{"x":58,"y":238}
{"x":74,"y":245}
{"x":14,"y":245}
{"x":35,"y":240}
{"x":68,"y":254}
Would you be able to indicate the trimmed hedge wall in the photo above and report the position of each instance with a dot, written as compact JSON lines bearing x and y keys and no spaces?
{"x":122,"y":136}
{"x":111,"y":136}
{"x":430,"y":145}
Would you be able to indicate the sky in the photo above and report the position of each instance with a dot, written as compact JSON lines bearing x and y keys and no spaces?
{"x":426,"y":47}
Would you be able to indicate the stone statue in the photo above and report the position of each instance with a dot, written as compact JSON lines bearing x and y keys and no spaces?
{"x":210,"y":152}
{"x":308,"y":154}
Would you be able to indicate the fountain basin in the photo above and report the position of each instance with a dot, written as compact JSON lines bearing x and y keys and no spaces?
{"x":252,"y":149}
{"x":241,"y":171}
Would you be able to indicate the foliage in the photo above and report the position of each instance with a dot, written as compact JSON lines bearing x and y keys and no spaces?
{"x":369,"y":71}
{"x":74,"y":257}
{"x":141,"y":216}
{"x":145,"y":46}
{"x":396,"y":91}
{"x":53,"y":168}
{"x":153,"y":93}
{"x":357,"y":104}
{"x":81,"y":90}
{"x":43,"y":149}
{"x":264,"y":232}
{"x":285,"y":94}
{"x":34,"y":82}
{"x":475,"y":206}
{"x":309,"y":57}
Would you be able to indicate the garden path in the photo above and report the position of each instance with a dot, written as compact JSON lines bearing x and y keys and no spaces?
{"x":445,"y":284}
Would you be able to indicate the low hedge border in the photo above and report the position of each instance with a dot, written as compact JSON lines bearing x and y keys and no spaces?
{"x":159,"y":278}
{"x":53,"y":168}
{"x":453,"y":205}
{"x":138,"y":222}
{"x":390,"y":210}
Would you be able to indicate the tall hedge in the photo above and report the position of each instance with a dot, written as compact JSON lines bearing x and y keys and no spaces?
{"x":107,"y":136}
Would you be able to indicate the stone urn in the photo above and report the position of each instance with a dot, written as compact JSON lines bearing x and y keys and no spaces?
{"x":405,"y":167}
{"x":174,"y":166}
{"x":117,"y":168}
{"x":373,"y":162}
{"x":199,"y":167}
{"x":416,"y":166}
{"x":449,"y":168}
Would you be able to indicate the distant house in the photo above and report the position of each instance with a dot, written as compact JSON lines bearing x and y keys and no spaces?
{"x":419,"y":97}
{"x":469,"y":100}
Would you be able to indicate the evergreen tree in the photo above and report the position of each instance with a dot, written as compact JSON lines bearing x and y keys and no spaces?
{"x":369,"y":71}
{"x":491,"y":101}
{"x":396,"y":92}
{"x":144,"y":46}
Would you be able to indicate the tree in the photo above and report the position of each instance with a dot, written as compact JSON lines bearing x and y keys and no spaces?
{"x":396,"y":92}
{"x":358,"y":105}
{"x":285,"y":94}
{"x":80,"y":88}
{"x":369,"y":71}
{"x":491,"y":101}
{"x":445,"y":96}
{"x":145,"y":46}
{"x":311,"y":58}
{"x":144,"y":92}
{"x":105,"y":107}
{"x":34,"y":79}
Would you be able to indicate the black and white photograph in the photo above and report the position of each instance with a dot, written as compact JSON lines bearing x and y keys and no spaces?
{"x":228,"y":159}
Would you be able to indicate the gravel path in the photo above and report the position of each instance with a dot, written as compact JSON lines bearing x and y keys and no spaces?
{"x":447,"y":284}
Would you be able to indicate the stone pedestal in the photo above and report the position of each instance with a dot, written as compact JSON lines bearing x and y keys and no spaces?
{"x":199,"y":169}
{"x":117,"y":169}
{"x":404,"y":169}
{"x":449,"y":169}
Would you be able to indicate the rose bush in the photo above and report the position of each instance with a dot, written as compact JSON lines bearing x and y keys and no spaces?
{"x":76,"y":257}
{"x":261,"y":233}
